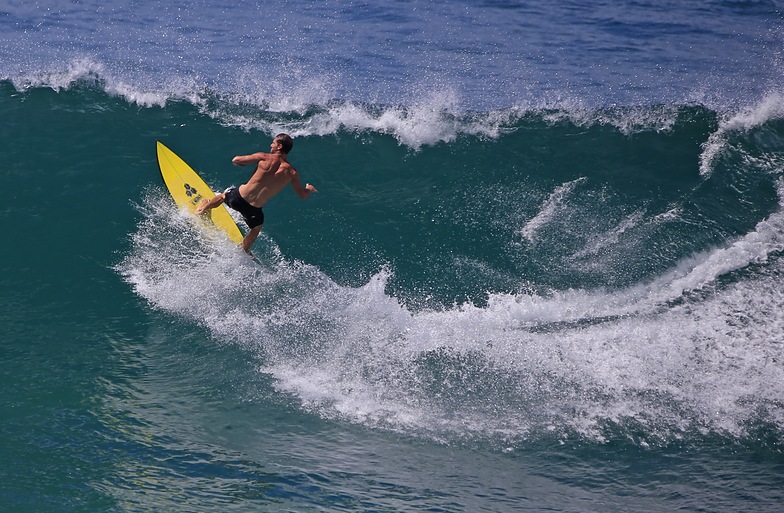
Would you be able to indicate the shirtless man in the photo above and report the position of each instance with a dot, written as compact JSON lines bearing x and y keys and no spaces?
{"x":272,"y":174}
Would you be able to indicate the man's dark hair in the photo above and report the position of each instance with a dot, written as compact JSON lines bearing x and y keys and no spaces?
{"x":285,"y":141}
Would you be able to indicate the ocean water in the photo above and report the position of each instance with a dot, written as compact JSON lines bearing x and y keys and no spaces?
{"x":544,"y":271}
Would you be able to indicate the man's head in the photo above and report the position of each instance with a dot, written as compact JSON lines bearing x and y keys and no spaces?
{"x":283,"y":142}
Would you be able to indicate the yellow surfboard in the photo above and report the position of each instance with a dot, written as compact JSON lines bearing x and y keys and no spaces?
{"x":188,"y":189}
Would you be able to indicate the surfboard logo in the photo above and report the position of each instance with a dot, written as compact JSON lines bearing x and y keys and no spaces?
{"x":190,"y":191}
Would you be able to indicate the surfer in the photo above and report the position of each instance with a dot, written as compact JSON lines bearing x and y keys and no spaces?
{"x":272,"y":174}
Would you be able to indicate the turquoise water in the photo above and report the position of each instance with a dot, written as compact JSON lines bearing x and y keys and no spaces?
{"x":543,"y":332}
{"x":508,"y":295}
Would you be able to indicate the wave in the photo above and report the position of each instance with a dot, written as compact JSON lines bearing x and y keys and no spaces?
{"x":689,"y":354}
{"x":312,"y":108}
{"x":566,"y":198}
{"x":504,"y":276}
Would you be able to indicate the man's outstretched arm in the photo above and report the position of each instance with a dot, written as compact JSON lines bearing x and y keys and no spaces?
{"x":302,"y":191}
{"x":254,"y":158}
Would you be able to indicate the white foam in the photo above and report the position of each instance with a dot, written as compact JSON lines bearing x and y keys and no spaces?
{"x":770,"y":108}
{"x":653,"y":355}
{"x":611,"y":237}
{"x":627,"y":120}
{"x":303,"y":104}
{"x":428,"y":121}
{"x":298,"y":104}
{"x":553,"y":205}
{"x":91,"y":71}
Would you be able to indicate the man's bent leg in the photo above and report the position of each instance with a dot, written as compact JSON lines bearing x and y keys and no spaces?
{"x":206,"y":204}
{"x":250,"y":238}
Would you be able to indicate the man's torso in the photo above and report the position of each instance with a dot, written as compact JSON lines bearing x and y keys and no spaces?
{"x":270,"y":178}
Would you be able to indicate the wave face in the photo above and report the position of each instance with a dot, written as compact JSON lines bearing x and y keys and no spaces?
{"x":459,"y":277}
{"x":481,"y":285}
{"x":481,"y":275}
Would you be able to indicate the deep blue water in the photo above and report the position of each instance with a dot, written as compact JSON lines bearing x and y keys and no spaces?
{"x":543,"y":271}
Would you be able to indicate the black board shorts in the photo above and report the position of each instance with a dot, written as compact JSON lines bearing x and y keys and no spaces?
{"x":253,"y":216}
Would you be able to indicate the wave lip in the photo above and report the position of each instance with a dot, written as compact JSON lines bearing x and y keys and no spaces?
{"x":94,"y":74}
{"x":771,"y":108}
{"x":311,"y":105}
